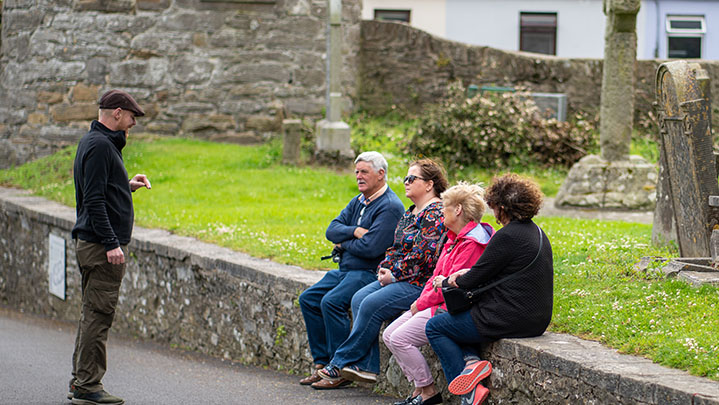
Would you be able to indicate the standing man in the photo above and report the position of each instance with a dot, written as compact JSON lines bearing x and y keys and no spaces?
{"x":102,"y":231}
{"x":363,"y":231}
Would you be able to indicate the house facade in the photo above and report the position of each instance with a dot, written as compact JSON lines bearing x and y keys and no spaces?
{"x":566,"y":28}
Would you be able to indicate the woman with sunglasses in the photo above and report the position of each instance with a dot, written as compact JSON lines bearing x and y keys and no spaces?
{"x":407,"y":266}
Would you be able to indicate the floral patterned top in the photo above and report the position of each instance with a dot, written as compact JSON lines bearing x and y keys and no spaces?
{"x":415,"y":249}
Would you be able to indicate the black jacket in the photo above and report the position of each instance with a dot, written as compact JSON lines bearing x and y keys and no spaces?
{"x":102,"y":189}
{"x":522,"y":306}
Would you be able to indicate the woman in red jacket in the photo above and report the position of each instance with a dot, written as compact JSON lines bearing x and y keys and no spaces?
{"x":463,"y":209}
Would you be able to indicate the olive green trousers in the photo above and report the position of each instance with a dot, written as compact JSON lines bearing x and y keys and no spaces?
{"x":101,"y":282}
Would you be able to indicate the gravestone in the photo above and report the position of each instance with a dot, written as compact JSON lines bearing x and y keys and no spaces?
{"x":291,"y":141}
{"x":688,"y":165}
{"x":333,"y":135}
{"x":614,"y":180}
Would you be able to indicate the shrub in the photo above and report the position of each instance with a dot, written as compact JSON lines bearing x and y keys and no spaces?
{"x":499,"y":130}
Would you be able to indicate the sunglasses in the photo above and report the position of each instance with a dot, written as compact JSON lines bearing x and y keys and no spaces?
{"x":411,"y":178}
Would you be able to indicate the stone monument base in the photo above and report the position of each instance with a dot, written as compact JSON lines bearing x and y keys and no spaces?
{"x":333,"y":143}
{"x":597,"y":183}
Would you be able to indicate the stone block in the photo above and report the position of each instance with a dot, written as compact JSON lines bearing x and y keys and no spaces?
{"x":263,"y":123}
{"x":152,"y":5}
{"x":198,"y":123}
{"x":253,"y":73}
{"x":134,"y":73}
{"x":192,"y":70}
{"x":162,"y":46}
{"x":83,"y":92}
{"x":21,"y":20}
{"x":163,"y":127}
{"x":108,"y":6}
{"x":192,"y":22}
{"x":49,"y":97}
{"x":37,"y":118}
{"x":96,"y":70}
{"x":74,"y":112}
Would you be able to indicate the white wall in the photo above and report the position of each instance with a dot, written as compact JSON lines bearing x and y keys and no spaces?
{"x":427,"y":15}
{"x":495,"y":23}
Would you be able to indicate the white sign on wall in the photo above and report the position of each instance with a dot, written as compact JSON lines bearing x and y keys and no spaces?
{"x":56,"y":266}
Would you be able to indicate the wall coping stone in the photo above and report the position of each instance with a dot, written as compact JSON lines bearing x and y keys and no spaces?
{"x":556,"y":356}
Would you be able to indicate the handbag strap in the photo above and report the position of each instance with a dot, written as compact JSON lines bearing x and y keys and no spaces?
{"x":513,"y":275}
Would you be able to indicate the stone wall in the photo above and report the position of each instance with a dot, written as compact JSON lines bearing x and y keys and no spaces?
{"x":404,"y":67}
{"x":204,"y":298}
{"x":226,"y":71}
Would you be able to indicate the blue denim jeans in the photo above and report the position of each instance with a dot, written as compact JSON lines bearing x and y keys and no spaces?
{"x":453,"y":338}
{"x":371,"y":306}
{"x":325,"y":307}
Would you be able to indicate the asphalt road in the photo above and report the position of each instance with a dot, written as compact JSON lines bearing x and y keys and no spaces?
{"x":35,"y":356}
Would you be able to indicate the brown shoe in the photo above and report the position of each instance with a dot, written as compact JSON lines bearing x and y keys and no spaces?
{"x":311,"y":379}
{"x":330,"y":384}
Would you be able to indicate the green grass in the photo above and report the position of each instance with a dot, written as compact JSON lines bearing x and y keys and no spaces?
{"x":242,"y":198}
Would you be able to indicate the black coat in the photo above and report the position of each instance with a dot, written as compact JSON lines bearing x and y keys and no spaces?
{"x":522,"y":306}
{"x":102,"y":189}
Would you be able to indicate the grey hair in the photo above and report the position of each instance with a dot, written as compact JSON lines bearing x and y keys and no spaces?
{"x":375,"y":159}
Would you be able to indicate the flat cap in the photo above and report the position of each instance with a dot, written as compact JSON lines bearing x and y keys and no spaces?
{"x":120,"y":99}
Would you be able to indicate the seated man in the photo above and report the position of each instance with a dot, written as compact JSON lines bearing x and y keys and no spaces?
{"x":363,"y":231}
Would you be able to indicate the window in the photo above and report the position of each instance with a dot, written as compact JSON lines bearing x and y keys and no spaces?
{"x":538,"y":33}
{"x":392,"y":15}
{"x":684,"y":36}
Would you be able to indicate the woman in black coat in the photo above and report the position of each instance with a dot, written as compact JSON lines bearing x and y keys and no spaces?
{"x":518,"y":307}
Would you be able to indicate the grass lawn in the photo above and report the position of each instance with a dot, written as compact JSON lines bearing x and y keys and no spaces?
{"x":242,"y":198}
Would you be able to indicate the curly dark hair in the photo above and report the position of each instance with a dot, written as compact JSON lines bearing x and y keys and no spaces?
{"x":518,"y":198}
{"x":433,"y":170}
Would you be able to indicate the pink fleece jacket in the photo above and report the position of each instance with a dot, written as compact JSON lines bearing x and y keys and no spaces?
{"x":459,"y":252}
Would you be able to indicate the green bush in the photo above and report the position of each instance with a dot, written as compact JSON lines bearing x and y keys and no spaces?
{"x":499,"y":130}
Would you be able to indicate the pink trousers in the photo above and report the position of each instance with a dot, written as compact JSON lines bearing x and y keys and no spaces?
{"x":404,"y":337}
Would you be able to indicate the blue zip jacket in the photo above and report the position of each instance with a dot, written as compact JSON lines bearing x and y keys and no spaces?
{"x":380,"y":217}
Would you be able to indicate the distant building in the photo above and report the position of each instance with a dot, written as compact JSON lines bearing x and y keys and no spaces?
{"x":566,"y":28}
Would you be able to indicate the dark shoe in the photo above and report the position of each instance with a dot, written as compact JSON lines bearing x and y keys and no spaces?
{"x":96,"y":398}
{"x":329,"y":372}
{"x":323,"y":384}
{"x":476,"y":396}
{"x":355,"y":374}
{"x":311,"y":379}
{"x":470,"y":377}
{"x":434,"y":400}
{"x":406,"y":401}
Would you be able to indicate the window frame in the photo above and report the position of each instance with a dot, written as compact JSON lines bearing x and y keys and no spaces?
{"x":697,"y":33}
{"x":393,"y":10}
{"x":541,"y":29}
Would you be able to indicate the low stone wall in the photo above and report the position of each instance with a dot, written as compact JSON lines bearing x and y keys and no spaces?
{"x":402,"y":66}
{"x":204,"y":298}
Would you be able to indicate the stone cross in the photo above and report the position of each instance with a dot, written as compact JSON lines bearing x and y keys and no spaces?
{"x":614,"y":180}
{"x":333,"y":135}
{"x":688,"y":165}
{"x":617,"y":102}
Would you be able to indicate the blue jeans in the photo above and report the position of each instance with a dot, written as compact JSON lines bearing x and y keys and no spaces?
{"x":325,"y":308}
{"x":453,"y":337}
{"x":371,"y":306}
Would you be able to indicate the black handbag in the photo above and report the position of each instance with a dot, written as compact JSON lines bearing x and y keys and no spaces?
{"x":459,"y":300}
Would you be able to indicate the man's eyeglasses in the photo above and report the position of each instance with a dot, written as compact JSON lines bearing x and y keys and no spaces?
{"x":411,"y":178}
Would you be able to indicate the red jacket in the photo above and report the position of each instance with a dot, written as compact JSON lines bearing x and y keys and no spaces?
{"x":459,"y":252}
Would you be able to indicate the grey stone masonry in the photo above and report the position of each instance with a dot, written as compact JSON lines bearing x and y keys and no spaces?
{"x":220,"y":70}
{"x":209,"y":299}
